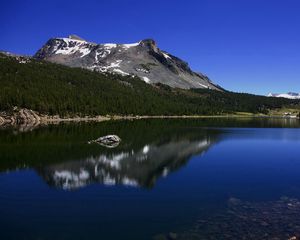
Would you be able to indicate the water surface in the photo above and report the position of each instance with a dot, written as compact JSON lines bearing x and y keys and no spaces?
{"x":193,"y":179}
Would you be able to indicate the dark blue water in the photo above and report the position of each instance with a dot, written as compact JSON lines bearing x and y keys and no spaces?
{"x":162,"y":178}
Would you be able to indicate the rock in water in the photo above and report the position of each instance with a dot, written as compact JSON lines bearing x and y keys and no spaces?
{"x":109,"y":141}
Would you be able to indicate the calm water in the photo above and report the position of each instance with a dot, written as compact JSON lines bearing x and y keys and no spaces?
{"x":189,"y":179}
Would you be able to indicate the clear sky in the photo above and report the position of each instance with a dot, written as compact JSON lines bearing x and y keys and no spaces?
{"x":243,"y":45}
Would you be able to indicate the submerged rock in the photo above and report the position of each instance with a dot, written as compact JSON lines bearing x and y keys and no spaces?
{"x":294,"y":238}
{"x":172,"y":236}
{"x":271,"y":220}
{"x":234,"y":201}
{"x":109,"y":141}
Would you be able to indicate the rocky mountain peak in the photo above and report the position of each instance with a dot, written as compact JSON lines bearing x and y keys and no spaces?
{"x":150,"y":43}
{"x":143,"y":59}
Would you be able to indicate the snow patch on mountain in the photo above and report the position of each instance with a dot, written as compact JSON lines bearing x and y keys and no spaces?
{"x":204,"y":86}
{"x":130,"y":45}
{"x":72,"y":46}
{"x":101,"y":54}
{"x":84,"y":51}
{"x":289,"y":95}
{"x":119,"y":71}
{"x":109,"y":45}
{"x":146,"y":79}
{"x":166,"y":55}
{"x":112,"y":65}
{"x":70,"y":40}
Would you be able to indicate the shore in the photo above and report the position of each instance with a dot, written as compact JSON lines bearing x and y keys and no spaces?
{"x":32,"y":118}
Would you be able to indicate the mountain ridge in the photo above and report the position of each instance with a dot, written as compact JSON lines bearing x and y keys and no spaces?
{"x":143,"y":59}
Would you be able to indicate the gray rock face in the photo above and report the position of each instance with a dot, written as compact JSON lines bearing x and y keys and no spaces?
{"x":143,"y":59}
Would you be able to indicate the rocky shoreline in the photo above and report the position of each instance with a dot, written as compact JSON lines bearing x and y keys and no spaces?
{"x":32,"y":118}
{"x":28,"y":119}
{"x":21,"y":116}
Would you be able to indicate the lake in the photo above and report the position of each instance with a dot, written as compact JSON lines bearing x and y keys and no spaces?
{"x":167,"y":179}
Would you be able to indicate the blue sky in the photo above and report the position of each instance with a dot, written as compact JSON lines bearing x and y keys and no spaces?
{"x":243,"y":45}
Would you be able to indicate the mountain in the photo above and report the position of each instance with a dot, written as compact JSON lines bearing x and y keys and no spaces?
{"x":289,"y":95}
{"x":143,"y":59}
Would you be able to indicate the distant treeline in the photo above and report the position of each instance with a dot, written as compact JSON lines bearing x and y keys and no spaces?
{"x":55,"y":89}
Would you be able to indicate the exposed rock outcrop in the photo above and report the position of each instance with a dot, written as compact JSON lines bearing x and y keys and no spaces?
{"x":109,"y":141}
{"x":26,"y":119}
{"x":20,"y":116}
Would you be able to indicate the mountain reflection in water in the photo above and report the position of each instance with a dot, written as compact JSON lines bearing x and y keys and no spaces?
{"x":149,"y":150}
{"x":132,"y":168}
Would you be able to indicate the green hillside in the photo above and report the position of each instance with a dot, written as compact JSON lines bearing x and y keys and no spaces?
{"x":55,"y":89}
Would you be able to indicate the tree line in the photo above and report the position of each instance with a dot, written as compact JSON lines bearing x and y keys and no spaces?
{"x":56,"y":89}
